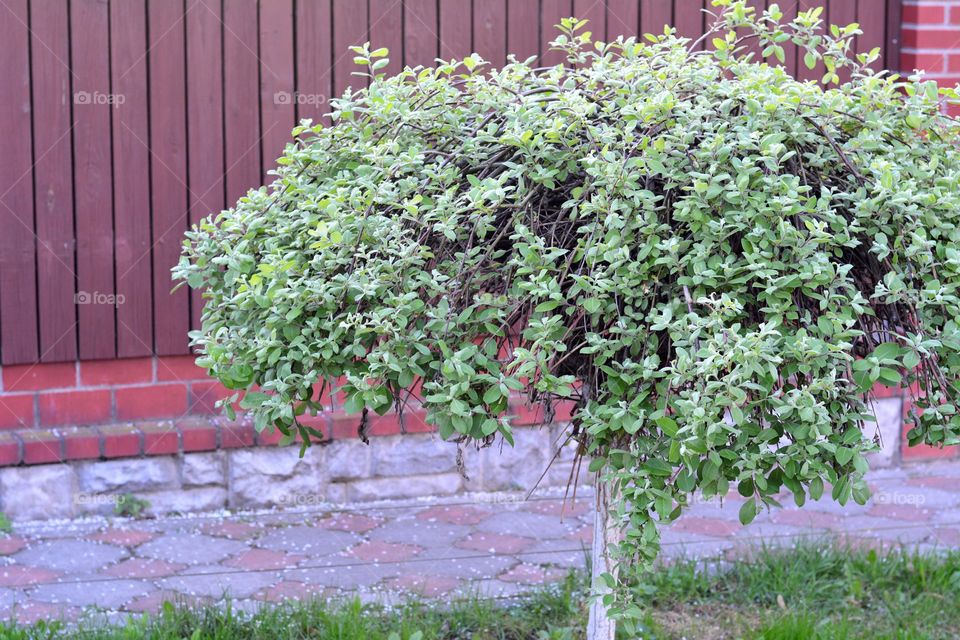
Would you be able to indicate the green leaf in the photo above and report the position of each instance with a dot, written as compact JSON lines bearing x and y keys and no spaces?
{"x":748,"y":511}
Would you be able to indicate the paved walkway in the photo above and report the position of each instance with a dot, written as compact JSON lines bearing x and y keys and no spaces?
{"x":496,"y":545}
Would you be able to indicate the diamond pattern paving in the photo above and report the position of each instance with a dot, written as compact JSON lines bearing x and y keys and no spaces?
{"x":434,"y":548}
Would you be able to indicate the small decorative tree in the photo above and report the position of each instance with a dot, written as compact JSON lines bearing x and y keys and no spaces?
{"x":714,"y":261}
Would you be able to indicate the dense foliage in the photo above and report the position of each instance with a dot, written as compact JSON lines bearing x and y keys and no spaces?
{"x":713,"y":261}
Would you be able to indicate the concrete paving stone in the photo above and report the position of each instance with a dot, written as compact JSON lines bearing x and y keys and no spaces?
{"x":143,"y":568}
{"x":190,"y":548}
{"x":20,"y":576}
{"x":379,"y":551}
{"x":357,"y":576}
{"x":887,"y":530}
{"x":495,"y":543}
{"x":122,"y":537}
{"x":106,"y":594}
{"x":463,"y":568}
{"x":567,"y":554}
{"x":532,"y":575}
{"x":213,"y":581}
{"x":350,"y":522}
{"x":152,"y":602}
{"x":526,"y":524}
{"x":942,"y":482}
{"x":903,"y":512}
{"x":423,"y":585}
{"x":492,"y":588}
{"x":425,"y":533}
{"x":808,"y":519}
{"x":291,"y":590}
{"x":561,"y":508}
{"x":310,"y":541}
{"x":454,"y":514}
{"x":681,"y":544}
{"x":260,"y":559}
{"x":30,"y":612}
{"x":705,"y":526}
{"x":70,"y":556}
{"x":231,"y":530}
{"x":11,"y":544}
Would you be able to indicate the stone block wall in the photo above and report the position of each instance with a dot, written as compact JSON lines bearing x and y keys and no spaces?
{"x":390,"y":467}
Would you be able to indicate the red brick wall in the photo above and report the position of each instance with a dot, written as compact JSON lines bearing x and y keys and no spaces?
{"x":930,"y":38}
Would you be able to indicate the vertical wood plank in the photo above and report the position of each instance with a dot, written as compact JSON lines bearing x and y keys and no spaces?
{"x":18,"y":295}
{"x":523,"y":31}
{"x":131,"y":178}
{"x":420,"y":32}
{"x":595,"y":13}
{"x":205,"y":119}
{"x":872,"y":16}
{"x":168,"y":171}
{"x":241,"y":93}
{"x":386,"y":30}
{"x":551,"y":13}
{"x":90,"y":46}
{"x":456,"y":29}
{"x":52,"y":102}
{"x":623,"y":18}
{"x":841,"y":12}
{"x":277,"y":115}
{"x":349,"y":29}
{"x":688,"y":19}
{"x":277,"y":98}
{"x":891,"y":54}
{"x":654,"y":15}
{"x":490,"y":31}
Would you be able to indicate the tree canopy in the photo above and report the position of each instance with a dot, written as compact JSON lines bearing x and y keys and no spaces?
{"x":712,"y":261}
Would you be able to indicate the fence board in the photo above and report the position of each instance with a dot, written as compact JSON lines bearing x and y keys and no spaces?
{"x":623,"y":18}
{"x":523,"y":30}
{"x":349,"y":29}
{"x":277,"y":116}
{"x":53,"y":188}
{"x":654,"y":15}
{"x":490,"y":31}
{"x":551,"y":13}
{"x":595,"y":13}
{"x":131,"y":178}
{"x":18,"y":295}
{"x":386,"y":30}
{"x":205,"y":119}
{"x":456,"y":29}
{"x":420,"y":32}
{"x":168,"y":171}
{"x":872,"y":16}
{"x":241,"y":96}
{"x":688,"y":19}
{"x":90,"y":47}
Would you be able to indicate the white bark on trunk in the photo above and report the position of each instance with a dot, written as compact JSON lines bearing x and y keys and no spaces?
{"x":600,"y":626}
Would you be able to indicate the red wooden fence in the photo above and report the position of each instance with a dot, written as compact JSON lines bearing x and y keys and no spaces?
{"x":122,"y":121}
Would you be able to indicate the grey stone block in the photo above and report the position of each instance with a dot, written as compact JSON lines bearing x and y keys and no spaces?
{"x":198,"y":469}
{"x":39,"y":492}
{"x":128,"y":475}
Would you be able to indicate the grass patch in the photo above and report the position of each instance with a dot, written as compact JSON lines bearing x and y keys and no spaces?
{"x":812,"y":592}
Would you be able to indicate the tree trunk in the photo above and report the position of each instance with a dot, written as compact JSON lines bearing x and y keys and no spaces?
{"x":600,"y":626}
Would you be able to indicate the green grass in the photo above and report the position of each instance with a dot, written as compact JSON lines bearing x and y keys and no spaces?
{"x":809,"y":593}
